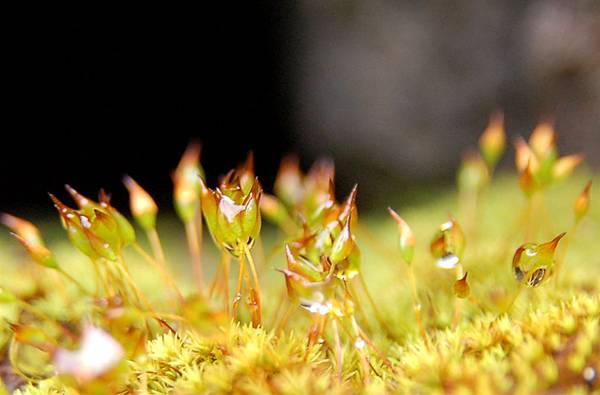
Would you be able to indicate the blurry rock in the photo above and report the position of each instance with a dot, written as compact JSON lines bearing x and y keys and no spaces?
{"x":401,"y":88}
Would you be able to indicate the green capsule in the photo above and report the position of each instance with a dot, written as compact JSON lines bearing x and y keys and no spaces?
{"x":343,"y":244}
{"x":6,"y":296}
{"x":407,"y":239}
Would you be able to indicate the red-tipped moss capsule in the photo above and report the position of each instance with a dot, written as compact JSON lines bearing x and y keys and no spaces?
{"x":565,"y":165}
{"x":143,"y":208}
{"x":186,"y":180}
{"x":233,"y":218}
{"x":527,"y":181}
{"x":39,"y":253}
{"x":534,"y":263}
{"x":6,"y":297}
{"x":461,"y":287}
{"x":493,"y":140}
{"x":125,"y":229}
{"x":342,"y":245}
{"x":24,"y":229}
{"x":524,"y":156}
{"x":407,"y":239}
{"x":543,"y":140}
{"x":288,"y":183}
{"x":582,"y":204}
{"x":473,"y":174}
{"x":245,"y":173}
{"x":276,"y":212}
{"x":82,"y":202}
{"x":29,"y":236}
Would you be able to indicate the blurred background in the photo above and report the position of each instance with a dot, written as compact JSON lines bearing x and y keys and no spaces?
{"x":393,"y":91}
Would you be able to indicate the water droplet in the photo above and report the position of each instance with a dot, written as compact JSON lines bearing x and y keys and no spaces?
{"x":536,"y":277}
{"x":532,"y":263}
{"x":448,"y":245}
{"x":85,"y":222}
{"x":320,"y":308}
{"x":589,"y":375}
{"x":447,"y":261}
{"x":359,"y":343}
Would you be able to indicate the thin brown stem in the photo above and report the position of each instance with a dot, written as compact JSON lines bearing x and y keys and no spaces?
{"x":74,"y":281}
{"x":156,"y":245}
{"x":256,"y":282}
{"x":353,"y":295}
{"x":563,"y":252}
{"x":226,"y":269}
{"x":367,"y":339}
{"x":378,"y":314}
{"x":284,"y":318}
{"x":338,"y":351}
{"x":200,"y":237}
{"x":514,"y":299}
{"x":417,"y":305}
{"x":457,"y":301}
{"x":138,"y":293}
{"x":216,"y":282}
{"x":238,"y":289}
{"x":195,"y":252}
{"x":165,"y":274}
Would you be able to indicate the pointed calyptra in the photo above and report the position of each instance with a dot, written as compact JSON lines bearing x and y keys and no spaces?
{"x":565,"y":165}
{"x":301,"y":265}
{"x":493,"y":140}
{"x":275,"y":211}
{"x":534,"y":263}
{"x":345,"y":255}
{"x":245,"y":173}
{"x":186,"y":181}
{"x":289,"y":181}
{"x":461,"y":287}
{"x":343,"y":244}
{"x":143,"y":208}
{"x":527,"y":181}
{"x":84,"y":231}
{"x":318,"y":194}
{"x":543,"y":140}
{"x":22,"y":228}
{"x":124,"y":234}
{"x":406,"y":240}
{"x":473,"y":173}
{"x":124,"y":227}
{"x":582,"y":204}
{"x":233,"y":218}
{"x":29,"y":236}
{"x":348,"y":208}
{"x":308,"y":284}
{"x":524,"y":156}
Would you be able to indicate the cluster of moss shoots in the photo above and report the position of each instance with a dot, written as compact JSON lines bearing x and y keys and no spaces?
{"x":108,"y":331}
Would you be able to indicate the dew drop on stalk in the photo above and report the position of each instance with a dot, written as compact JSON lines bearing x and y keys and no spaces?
{"x":359,"y":343}
{"x":533,"y":263}
{"x":448,"y":245}
{"x":589,"y":375}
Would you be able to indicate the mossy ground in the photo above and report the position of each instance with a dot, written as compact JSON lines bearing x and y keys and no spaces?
{"x":547,"y":343}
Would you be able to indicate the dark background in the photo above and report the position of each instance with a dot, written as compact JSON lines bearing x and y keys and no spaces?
{"x":394,"y":91}
{"x":92,"y":98}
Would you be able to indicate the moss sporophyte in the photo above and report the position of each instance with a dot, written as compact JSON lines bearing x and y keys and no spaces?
{"x":321,"y":302}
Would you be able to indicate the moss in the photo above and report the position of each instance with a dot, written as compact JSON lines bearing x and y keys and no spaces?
{"x":508,"y":338}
